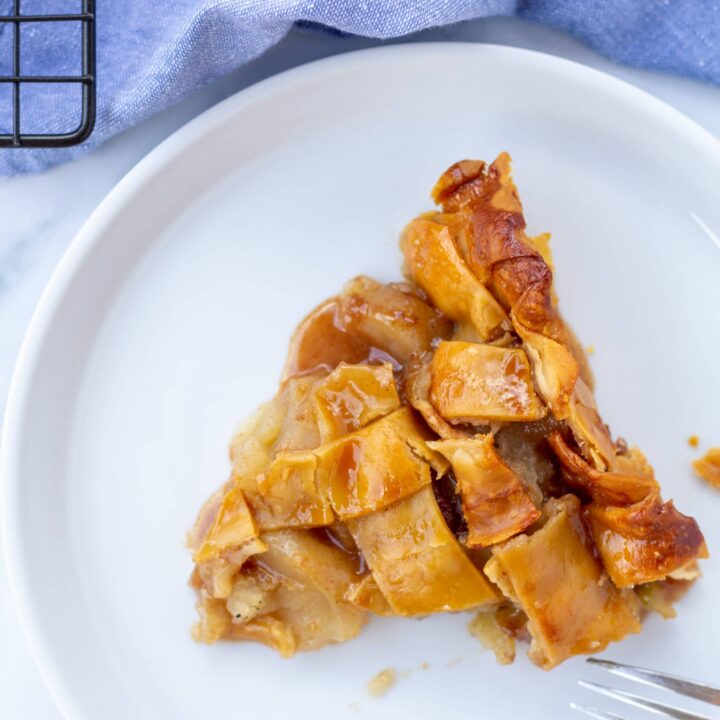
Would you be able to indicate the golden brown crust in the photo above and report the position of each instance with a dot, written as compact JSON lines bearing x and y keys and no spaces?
{"x":417,"y":562}
{"x":433,"y":261}
{"x":495,"y":503}
{"x":291,"y":493}
{"x":477,"y":383}
{"x":644,"y":542}
{"x":232,"y":527}
{"x":606,"y":488}
{"x":353,"y":396}
{"x":372,"y":468}
{"x":554,"y":576}
{"x":483,"y":213}
{"x":416,"y":392}
{"x":390,"y":317}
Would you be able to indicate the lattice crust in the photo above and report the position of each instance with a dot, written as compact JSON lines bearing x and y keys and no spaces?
{"x":435,"y":446}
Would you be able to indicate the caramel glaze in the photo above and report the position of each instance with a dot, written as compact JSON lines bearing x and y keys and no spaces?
{"x":368,"y":322}
{"x":321,"y":342}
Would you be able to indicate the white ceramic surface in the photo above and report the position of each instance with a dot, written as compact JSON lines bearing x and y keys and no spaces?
{"x":168,"y":319}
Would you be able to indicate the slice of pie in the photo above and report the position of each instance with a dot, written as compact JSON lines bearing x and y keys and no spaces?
{"x":434,"y":446}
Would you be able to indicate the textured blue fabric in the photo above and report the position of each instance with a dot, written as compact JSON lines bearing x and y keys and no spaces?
{"x":150,"y":55}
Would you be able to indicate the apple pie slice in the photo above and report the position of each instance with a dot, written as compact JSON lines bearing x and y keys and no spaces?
{"x":434,"y":446}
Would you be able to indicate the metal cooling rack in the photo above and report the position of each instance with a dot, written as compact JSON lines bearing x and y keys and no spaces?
{"x":18,"y":139}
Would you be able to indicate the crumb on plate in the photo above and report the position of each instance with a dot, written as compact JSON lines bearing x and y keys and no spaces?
{"x":590,"y":349}
{"x":382,"y":682}
{"x":693,"y":441}
{"x":708,"y":467}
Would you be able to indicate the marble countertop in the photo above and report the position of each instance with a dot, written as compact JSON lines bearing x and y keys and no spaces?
{"x":39,"y":215}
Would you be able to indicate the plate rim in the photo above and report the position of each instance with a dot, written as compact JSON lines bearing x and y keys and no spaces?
{"x":80,"y":249}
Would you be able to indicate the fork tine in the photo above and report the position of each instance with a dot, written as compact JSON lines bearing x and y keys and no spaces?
{"x":700,"y":691}
{"x":641,"y":702}
{"x":594,"y":712}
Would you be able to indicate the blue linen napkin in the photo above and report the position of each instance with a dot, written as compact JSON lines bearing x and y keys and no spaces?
{"x":150,"y":55}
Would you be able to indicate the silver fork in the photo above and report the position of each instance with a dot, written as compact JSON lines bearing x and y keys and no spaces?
{"x":689,"y":688}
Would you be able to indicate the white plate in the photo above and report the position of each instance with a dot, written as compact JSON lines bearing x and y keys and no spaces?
{"x":168,"y":320}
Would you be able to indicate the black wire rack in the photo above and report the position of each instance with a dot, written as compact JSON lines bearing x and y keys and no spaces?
{"x":86,"y":79}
